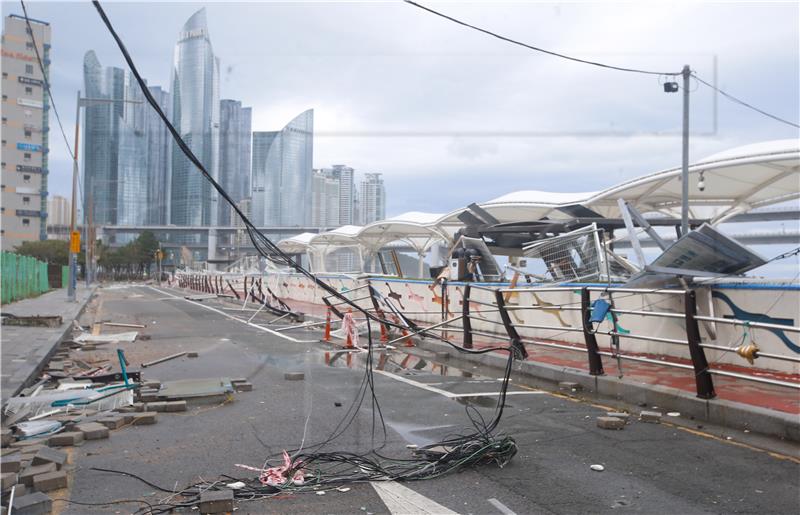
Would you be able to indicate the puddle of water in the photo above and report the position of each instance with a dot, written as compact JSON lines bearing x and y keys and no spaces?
{"x":396,"y":362}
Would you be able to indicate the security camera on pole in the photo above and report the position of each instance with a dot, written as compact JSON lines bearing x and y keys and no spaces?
{"x":672,"y":87}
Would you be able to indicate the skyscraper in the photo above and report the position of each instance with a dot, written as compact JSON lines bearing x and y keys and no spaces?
{"x":345,"y":176}
{"x":235,"y":134}
{"x":159,"y":160}
{"x":116,"y":152}
{"x":282,"y":174}
{"x":25,"y":132}
{"x":373,"y":198}
{"x":58,"y":210}
{"x":195,"y":114}
{"x":324,"y":199}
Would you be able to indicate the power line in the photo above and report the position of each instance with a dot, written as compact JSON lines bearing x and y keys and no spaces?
{"x":745,"y":104}
{"x":598,"y":64}
{"x":537,"y":49}
{"x":46,"y":82}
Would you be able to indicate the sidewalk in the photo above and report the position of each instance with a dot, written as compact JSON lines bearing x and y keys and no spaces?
{"x":25,"y":349}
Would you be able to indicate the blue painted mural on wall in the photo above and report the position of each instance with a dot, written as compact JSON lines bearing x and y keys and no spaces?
{"x":741,"y":314}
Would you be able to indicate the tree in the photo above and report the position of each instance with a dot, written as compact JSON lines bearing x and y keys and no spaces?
{"x":55,"y":252}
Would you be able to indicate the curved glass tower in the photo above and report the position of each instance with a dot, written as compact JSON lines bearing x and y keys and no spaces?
{"x":115,"y":147}
{"x":195,"y":114}
{"x":282,"y":164}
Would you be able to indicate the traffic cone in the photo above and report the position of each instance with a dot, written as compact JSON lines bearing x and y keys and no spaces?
{"x":327,"y":337}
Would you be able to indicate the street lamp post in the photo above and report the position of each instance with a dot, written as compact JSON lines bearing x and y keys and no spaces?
{"x":73,"y":251}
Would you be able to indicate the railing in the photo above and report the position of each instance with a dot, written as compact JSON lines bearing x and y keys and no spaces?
{"x":703,"y":372}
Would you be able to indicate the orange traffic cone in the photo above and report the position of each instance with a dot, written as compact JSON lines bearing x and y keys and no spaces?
{"x":327,"y":337}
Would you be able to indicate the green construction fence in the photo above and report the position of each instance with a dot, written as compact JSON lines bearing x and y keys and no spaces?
{"x":22,"y":277}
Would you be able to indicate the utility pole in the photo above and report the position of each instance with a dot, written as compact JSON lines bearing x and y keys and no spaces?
{"x":73,"y":257}
{"x":687,"y":73}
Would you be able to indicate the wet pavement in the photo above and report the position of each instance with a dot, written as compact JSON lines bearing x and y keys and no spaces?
{"x":649,"y":468}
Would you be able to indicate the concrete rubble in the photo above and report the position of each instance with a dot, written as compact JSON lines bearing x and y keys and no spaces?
{"x":83,"y":396}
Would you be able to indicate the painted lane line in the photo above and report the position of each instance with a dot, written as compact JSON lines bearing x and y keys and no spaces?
{"x":215,"y":310}
{"x":502,"y":508}
{"x":401,"y":500}
{"x":445,"y":393}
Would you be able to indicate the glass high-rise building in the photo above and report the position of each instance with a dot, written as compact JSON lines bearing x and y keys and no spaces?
{"x":117,"y":170}
{"x":195,"y":114}
{"x":373,"y":198}
{"x":235,"y":135}
{"x":281,"y":178}
{"x":159,"y":160}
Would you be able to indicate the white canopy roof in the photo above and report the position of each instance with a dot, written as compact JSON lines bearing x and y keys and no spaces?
{"x":736,"y":180}
{"x":296,"y":244}
{"x":416,"y":228}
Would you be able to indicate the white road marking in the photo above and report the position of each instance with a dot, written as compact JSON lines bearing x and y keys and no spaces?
{"x":401,"y":500}
{"x":215,"y":310}
{"x":505,"y":510}
{"x":445,"y":393}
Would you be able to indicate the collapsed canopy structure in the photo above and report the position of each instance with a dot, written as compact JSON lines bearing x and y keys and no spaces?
{"x":722,"y":185}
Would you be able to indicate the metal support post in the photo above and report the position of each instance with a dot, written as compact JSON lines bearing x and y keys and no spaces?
{"x":702,"y":375}
{"x":466,"y":323}
{"x":687,"y":73}
{"x":516,"y":341}
{"x":595,"y":361}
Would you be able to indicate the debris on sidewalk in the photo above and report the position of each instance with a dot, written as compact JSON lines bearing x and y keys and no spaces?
{"x":32,"y":320}
{"x":653,"y":417}
{"x":610,"y":423}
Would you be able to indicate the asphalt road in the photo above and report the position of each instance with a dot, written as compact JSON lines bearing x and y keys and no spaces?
{"x":649,"y":468}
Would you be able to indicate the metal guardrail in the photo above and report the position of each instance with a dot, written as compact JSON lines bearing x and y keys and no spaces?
{"x":703,"y":372}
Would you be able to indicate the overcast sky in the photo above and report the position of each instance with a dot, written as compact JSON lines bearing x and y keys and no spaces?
{"x":451,"y":116}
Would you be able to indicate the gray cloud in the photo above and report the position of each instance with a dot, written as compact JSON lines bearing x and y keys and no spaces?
{"x":377,"y":69}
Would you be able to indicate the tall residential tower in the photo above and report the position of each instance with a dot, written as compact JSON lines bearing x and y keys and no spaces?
{"x":24,"y":131}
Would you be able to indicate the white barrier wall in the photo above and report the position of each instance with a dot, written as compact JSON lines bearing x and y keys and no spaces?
{"x":559,"y":311}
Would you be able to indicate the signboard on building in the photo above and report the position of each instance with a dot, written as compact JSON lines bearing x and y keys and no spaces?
{"x":31,"y":147}
{"x":28,"y":212}
{"x":28,"y":80}
{"x":29,"y":169}
{"x":29,"y":103}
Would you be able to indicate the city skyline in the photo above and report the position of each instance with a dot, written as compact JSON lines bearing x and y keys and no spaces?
{"x":546,"y":124}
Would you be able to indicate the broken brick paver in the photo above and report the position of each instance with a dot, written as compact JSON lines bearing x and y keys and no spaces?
{"x":50,"y":481}
{"x":27,"y":475}
{"x":48,"y":455}
{"x":93,"y":431}
{"x":66,"y":439}
{"x":35,"y":503}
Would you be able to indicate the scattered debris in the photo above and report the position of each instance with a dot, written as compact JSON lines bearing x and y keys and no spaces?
{"x":216,"y":501}
{"x":128,"y":337}
{"x":610,"y":423}
{"x":618,"y":414}
{"x":653,"y":417}
{"x":343,"y":489}
{"x":32,"y":321}
{"x":597,"y":468}
{"x":570,"y":386}
{"x":238,"y":485}
{"x":120,"y":324}
{"x":161,"y":360}
{"x":320,"y":492}
{"x":294,"y":376}
{"x":674,"y":414}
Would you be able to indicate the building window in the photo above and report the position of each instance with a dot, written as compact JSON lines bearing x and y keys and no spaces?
{"x":5,"y":120}
{"x":29,"y":68}
{"x":26,"y":200}
{"x":26,"y":179}
{"x":28,"y":134}
{"x":26,"y":156}
{"x":29,"y":45}
{"x":4,"y":143}
{"x":5,"y":75}
{"x":26,"y":222}
{"x":5,"y":97}
{"x":28,"y":90}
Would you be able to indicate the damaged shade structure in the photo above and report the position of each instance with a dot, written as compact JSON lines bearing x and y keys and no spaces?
{"x":723,"y":186}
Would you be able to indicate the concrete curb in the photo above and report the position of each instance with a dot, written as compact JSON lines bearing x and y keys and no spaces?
{"x":720,"y":412}
{"x":37,"y":370}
